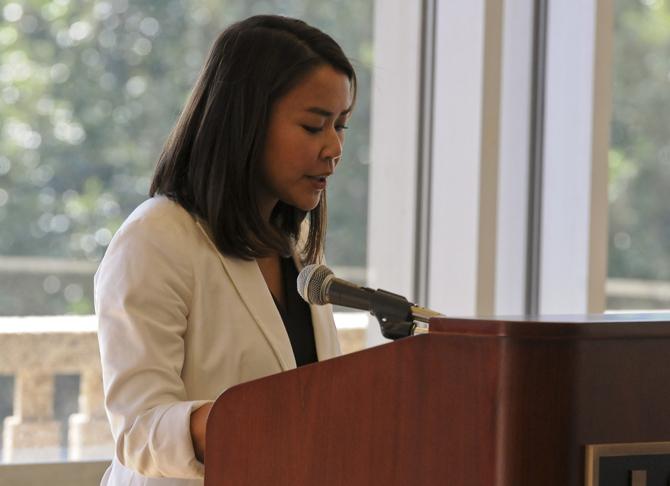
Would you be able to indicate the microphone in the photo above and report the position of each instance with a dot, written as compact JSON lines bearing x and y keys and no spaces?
{"x":317,"y":284}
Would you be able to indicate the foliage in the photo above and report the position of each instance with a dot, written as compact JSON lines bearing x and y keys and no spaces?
{"x":639,"y":219}
{"x":90,"y":89}
{"x":89,"y":92}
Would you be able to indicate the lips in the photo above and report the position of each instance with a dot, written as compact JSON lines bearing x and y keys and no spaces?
{"x":318,"y":182}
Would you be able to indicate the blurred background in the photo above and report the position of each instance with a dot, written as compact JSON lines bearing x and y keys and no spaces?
{"x":89,"y":92}
{"x":639,"y":161}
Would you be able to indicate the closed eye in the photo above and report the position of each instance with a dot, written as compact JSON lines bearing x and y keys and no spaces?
{"x":311,"y":129}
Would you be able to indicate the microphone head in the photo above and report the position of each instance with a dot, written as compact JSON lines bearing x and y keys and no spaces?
{"x":311,"y":283}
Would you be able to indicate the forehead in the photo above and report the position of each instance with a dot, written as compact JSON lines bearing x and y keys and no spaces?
{"x":323,"y":88}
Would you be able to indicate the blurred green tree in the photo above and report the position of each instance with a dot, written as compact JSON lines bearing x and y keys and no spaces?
{"x":639,"y":215}
{"x":89,"y":92}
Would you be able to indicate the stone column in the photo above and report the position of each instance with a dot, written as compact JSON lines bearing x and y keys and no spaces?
{"x":32,"y":433}
{"x":89,"y":435}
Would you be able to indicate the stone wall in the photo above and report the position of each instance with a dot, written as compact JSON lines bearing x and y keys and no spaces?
{"x":35,"y":351}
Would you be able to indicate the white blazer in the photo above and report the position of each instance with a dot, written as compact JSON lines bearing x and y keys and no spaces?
{"x":179,"y":323}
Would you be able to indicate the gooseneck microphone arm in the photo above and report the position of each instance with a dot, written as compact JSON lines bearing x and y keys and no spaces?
{"x":396,"y":315}
{"x":356,"y":297}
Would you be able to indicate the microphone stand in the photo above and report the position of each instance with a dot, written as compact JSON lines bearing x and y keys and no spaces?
{"x":397,"y":316}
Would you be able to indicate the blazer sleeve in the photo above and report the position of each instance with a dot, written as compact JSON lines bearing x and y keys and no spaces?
{"x":142,"y":299}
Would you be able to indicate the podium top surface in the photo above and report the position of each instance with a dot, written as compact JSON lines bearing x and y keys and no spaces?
{"x":618,"y":325}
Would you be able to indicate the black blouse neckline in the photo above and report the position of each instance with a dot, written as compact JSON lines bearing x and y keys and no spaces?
{"x":296,"y":316}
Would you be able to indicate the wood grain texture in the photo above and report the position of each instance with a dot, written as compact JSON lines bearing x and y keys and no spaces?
{"x":483,"y":402}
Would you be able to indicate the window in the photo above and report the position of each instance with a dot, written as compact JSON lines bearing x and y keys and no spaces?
{"x":89,"y":92}
{"x":639,"y":158}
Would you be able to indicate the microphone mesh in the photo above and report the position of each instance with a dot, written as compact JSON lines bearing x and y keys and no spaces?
{"x":310,"y":283}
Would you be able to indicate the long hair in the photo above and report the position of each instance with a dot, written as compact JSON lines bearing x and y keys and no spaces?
{"x":211,"y":161}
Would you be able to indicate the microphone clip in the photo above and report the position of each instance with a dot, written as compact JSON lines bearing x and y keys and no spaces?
{"x":394,"y":314}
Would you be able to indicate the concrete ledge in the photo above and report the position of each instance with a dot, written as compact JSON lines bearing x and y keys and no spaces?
{"x":53,"y":474}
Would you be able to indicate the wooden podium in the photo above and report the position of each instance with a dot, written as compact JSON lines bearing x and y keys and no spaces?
{"x":476,"y":402}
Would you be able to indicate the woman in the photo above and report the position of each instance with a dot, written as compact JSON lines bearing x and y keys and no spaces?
{"x":196,"y":292}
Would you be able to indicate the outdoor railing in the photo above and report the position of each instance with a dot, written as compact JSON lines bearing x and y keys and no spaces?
{"x":35,"y":350}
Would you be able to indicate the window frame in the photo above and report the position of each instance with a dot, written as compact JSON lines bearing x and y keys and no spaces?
{"x":480,"y":224}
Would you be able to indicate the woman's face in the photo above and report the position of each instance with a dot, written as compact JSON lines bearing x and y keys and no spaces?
{"x":304,"y":140}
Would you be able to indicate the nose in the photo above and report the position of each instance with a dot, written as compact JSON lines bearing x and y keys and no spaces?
{"x":332,"y":163}
{"x":332,"y":149}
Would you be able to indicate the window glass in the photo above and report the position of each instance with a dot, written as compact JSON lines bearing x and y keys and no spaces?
{"x":88,"y":94}
{"x":639,"y":161}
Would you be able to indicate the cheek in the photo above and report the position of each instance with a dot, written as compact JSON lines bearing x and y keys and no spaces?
{"x":289,"y":155}
{"x":281,"y":171}
{"x":295,"y":158}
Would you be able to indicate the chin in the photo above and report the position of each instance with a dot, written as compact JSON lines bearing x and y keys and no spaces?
{"x":304,"y":203}
{"x":307,"y":207}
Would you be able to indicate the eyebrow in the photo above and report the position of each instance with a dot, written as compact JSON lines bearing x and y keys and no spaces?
{"x":326,"y":113}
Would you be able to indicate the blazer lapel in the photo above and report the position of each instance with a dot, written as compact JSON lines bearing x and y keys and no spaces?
{"x":248,"y":280}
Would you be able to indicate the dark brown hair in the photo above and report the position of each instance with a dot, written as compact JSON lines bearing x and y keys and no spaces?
{"x":211,"y":161}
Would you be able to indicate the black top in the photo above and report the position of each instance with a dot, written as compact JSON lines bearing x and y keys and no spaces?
{"x":296,"y":316}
